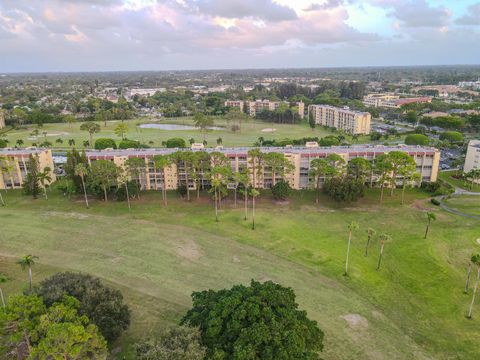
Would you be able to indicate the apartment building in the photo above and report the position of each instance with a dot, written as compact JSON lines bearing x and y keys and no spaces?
{"x":257,"y":106}
{"x":472,"y":158}
{"x":427,"y":160}
{"x":143,"y":92}
{"x":350,"y":121}
{"x":239,"y":104}
{"x":2,"y":119}
{"x":392,"y":101}
{"x":15,"y":163}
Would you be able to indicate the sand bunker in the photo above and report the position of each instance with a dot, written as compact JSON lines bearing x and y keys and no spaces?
{"x":355,"y":320}
{"x":269,"y":130}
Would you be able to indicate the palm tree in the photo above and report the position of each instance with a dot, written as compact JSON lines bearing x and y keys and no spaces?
{"x":163,"y":162}
{"x":468,"y":276}
{"x":256,"y":159}
{"x":370,"y":233}
{"x":254,"y":193}
{"x":244,"y":179}
{"x":27,"y":262}
{"x":81,"y":170}
{"x":475,"y":260}
{"x":44,"y":178}
{"x":351,"y":228}
{"x":3,"y":279}
{"x":383,"y":239}
{"x":383,"y":169}
{"x":430,"y":217}
{"x":318,"y":168}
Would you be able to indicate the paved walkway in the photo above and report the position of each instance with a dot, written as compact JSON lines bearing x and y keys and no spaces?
{"x":458,"y":192}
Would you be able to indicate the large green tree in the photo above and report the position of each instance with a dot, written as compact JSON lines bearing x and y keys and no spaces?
{"x":31,"y":330}
{"x":31,"y":186}
{"x":91,"y":128}
{"x":260,"y":321}
{"x":102,"y":305}
{"x":103,"y":173}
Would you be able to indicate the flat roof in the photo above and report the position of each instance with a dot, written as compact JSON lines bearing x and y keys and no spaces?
{"x":287,"y":150}
{"x":21,"y":151}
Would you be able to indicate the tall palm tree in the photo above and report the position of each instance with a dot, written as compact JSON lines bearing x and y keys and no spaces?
{"x":351,"y":228}
{"x":318,"y":168}
{"x":244,"y":179}
{"x":81,"y":170}
{"x":45,"y":178}
{"x":370,"y":233}
{"x":254,"y":193}
{"x":383,"y":239}
{"x":430,"y":217}
{"x":469,"y":271}
{"x":475,"y":260}
{"x":163,"y":162}
{"x":27,"y":262}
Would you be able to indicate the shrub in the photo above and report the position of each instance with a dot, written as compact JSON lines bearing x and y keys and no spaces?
{"x":232,"y":321}
{"x":452,"y":136}
{"x":344,"y":189}
{"x":102,"y":305}
{"x":105,"y":143}
{"x":129,"y":144}
{"x":417,"y":139}
{"x":435,"y":201}
{"x":121,"y":192}
{"x":329,"y":140}
{"x":175,"y":143}
{"x":179,"y":343}
{"x":182,"y":190}
{"x":3,"y":143}
{"x":281,"y":190}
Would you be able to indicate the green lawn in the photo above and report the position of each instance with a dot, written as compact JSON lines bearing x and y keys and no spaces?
{"x":448,"y":176}
{"x":251,"y":131}
{"x":413,"y":308}
{"x":465,"y":204}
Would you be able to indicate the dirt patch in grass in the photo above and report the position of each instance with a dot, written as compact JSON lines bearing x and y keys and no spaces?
{"x":189,"y":250}
{"x":355,"y":321}
{"x":418,"y":204}
{"x":66,"y":215}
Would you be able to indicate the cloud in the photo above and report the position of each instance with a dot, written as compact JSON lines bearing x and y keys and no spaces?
{"x":472,"y":17}
{"x":262,"y":9}
{"x":164,"y":34}
{"x":416,"y":13}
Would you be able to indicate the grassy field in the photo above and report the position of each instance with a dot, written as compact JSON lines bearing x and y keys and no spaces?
{"x":251,"y":131}
{"x":448,"y":177}
{"x":465,"y":204}
{"x":412,"y":308}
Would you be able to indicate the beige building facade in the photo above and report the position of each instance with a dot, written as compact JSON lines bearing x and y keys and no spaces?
{"x":427,"y":160}
{"x":15,"y":163}
{"x":254,"y":107}
{"x":352,"y":122}
{"x":472,"y":158}
{"x":2,"y":118}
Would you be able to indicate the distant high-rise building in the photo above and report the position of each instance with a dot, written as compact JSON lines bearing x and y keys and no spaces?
{"x":257,"y":106}
{"x":392,"y":101}
{"x":472,"y":158}
{"x":2,"y":118}
{"x":352,"y":122}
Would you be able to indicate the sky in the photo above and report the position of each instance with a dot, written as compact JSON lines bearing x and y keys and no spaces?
{"x":113,"y":35}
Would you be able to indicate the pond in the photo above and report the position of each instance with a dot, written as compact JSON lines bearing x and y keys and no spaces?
{"x":176,"y":127}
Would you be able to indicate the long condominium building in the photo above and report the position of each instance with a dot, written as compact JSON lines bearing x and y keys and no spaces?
{"x":2,"y":119}
{"x":350,"y":121}
{"x":392,"y":101}
{"x":15,"y":164}
{"x":427,"y":160}
{"x":472,"y":158}
{"x":255,"y":107}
